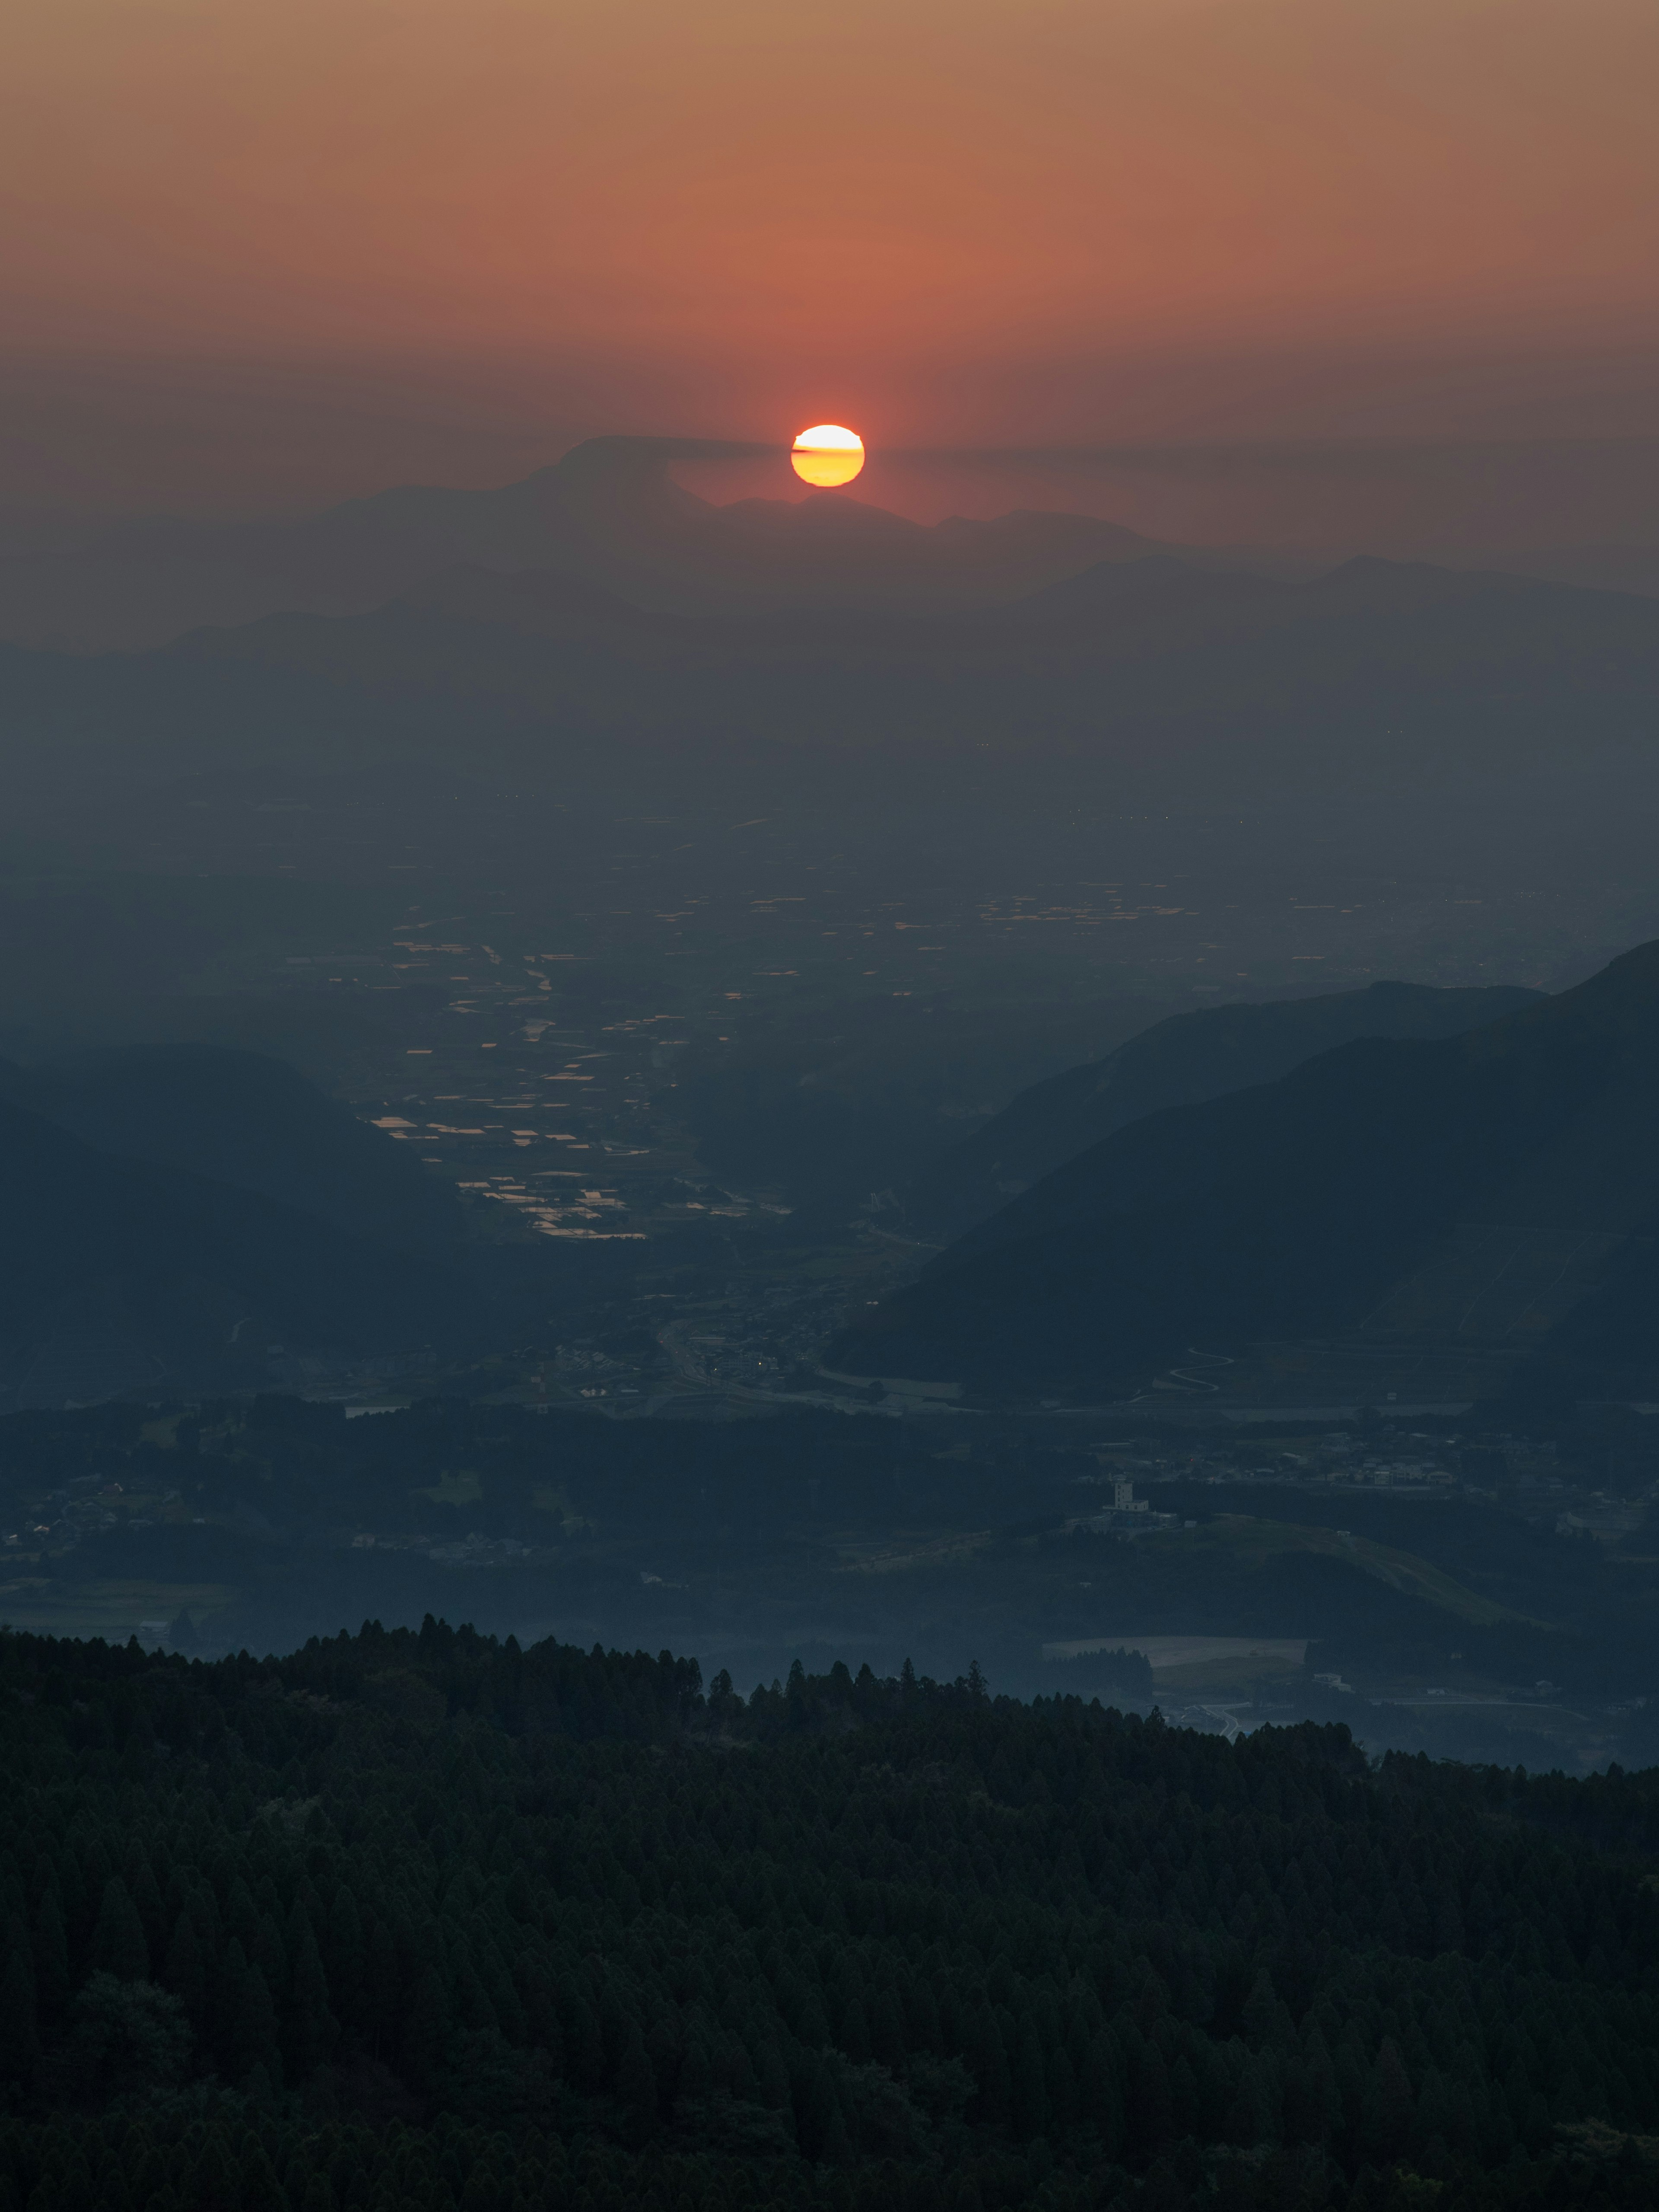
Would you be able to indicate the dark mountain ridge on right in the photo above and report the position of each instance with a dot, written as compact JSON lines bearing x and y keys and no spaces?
{"x":1178,"y":1062}
{"x":1500,"y":1188}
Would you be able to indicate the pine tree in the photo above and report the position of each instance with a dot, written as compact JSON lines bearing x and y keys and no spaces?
{"x":184,"y":1972}
{"x":636,"y":2083}
{"x":346,"y":1957}
{"x":381,"y":2000}
{"x":815,"y":2108}
{"x":312,"y":2028}
{"x":257,"y":2188}
{"x":1151,"y":2110}
{"x":118,"y":1943}
{"x":988,"y":2061}
{"x":697,"y":2077}
{"x":212,"y":2187}
{"x":1385,"y":2119}
{"x":75,"y":2190}
{"x":253,"y":2028}
{"x":20,"y":2037}
{"x":425,"y":2030}
{"x":854,"y":2036}
{"x":1029,"y":2086}
{"x":146,"y":1897}
{"x":52,"y":1973}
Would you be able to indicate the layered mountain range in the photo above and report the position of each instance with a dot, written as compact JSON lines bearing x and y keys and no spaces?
{"x":609,"y":512}
{"x":598,"y":607}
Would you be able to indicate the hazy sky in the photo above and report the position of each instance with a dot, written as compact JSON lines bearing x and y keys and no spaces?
{"x":940,"y":219}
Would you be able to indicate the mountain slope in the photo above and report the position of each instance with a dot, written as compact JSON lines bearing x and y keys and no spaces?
{"x":245,"y":1119}
{"x":1177,"y":1062}
{"x":120,"y":1273}
{"x":1478,"y":1187}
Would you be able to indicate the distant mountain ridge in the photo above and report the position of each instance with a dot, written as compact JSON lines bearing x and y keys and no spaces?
{"x":608,"y":512}
{"x":1499,"y":1187}
{"x":1178,"y":1062}
{"x":562,"y":625}
{"x":1369,"y":670}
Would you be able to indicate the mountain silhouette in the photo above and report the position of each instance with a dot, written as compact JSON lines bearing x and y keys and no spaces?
{"x":1494,"y":1187}
{"x":656,"y":631}
{"x":1143,"y":645}
{"x":608,"y":511}
{"x":1177,"y":1062}
{"x":121,"y":1274}
{"x":245,"y":1119}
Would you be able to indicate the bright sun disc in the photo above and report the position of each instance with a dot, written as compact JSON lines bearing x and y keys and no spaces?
{"x":826,"y":455}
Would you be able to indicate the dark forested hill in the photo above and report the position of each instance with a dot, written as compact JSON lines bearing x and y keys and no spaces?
{"x":136,"y":1272}
{"x":1177,"y":1062}
{"x":1481,"y":1187}
{"x":241,"y":1118}
{"x":425,"y":1919}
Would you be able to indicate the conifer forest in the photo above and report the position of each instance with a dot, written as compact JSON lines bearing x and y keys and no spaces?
{"x":422,"y":1919}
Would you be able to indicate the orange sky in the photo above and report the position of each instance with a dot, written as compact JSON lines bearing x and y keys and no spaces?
{"x":928,"y":217}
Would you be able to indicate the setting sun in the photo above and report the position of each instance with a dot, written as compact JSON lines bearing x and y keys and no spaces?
{"x":826,"y":455}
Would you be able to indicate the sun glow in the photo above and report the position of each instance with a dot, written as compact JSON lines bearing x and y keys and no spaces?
{"x":826,"y":455}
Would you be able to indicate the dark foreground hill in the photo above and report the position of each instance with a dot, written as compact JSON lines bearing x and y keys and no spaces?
{"x":1498,"y":1187}
{"x":430,"y":1920}
{"x":1177,"y":1062}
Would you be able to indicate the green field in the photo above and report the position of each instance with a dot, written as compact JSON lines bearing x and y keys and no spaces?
{"x":1255,"y":1541}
